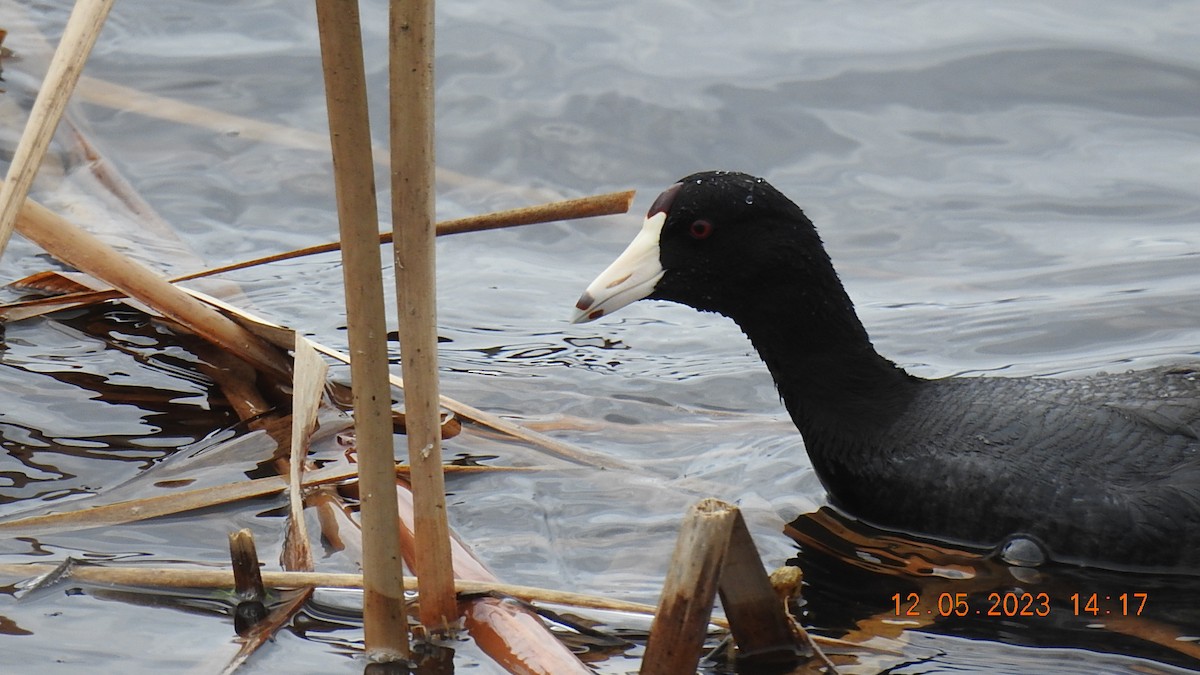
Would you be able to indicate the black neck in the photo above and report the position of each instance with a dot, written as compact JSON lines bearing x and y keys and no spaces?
{"x":838,"y":389}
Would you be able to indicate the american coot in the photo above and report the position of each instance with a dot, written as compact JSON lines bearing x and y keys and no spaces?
{"x":1103,"y":470}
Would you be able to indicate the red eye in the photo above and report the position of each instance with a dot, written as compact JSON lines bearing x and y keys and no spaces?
{"x":700,"y":229}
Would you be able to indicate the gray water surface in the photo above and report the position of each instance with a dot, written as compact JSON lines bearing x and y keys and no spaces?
{"x":1004,"y":188}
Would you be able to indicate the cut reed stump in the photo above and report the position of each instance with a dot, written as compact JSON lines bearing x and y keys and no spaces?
{"x":247,"y":583}
{"x":714,"y":553}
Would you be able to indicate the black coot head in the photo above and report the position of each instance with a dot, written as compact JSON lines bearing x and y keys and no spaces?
{"x":718,"y":241}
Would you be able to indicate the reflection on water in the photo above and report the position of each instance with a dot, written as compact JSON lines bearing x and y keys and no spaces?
{"x":94,"y":398}
{"x":860,"y":580}
{"x":1004,"y":189}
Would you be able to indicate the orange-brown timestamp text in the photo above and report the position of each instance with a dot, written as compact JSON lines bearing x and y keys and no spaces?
{"x":1016,"y":604}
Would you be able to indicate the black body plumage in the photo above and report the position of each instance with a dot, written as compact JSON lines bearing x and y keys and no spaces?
{"x":1102,"y":469}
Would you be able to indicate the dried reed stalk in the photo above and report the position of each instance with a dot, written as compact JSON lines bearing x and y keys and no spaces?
{"x":171,"y":577}
{"x":307,"y":386}
{"x":515,"y":637}
{"x":584,"y":207}
{"x":384,"y":615}
{"x":247,"y":575}
{"x":264,"y":631}
{"x":410,"y":89}
{"x":251,"y":620}
{"x":128,"y":99}
{"x":607,"y":204}
{"x":760,"y":626}
{"x":248,"y":588}
{"x":79,"y":35}
{"x":175,"y":577}
{"x":85,"y":252}
{"x":282,"y":336}
{"x":144,"y":508}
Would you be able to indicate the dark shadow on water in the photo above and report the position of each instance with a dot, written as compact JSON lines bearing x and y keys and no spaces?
{"x":862,"y":582}
{"x":95,"y":396}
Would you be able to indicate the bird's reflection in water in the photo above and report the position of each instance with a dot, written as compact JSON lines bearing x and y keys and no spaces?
{"x":862,"y":584}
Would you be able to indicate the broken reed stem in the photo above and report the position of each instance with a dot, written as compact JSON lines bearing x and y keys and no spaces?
{"x":87,"y":253}
{"x":410,"y":90}
{"x":607,"y":204}
{"x":385,"y":621}
{"x":308,"y":385}
{"x":79,"y":35}
{"x":760,"y":626}
{"x":681,"y":623}
{"x":715,"y":552}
